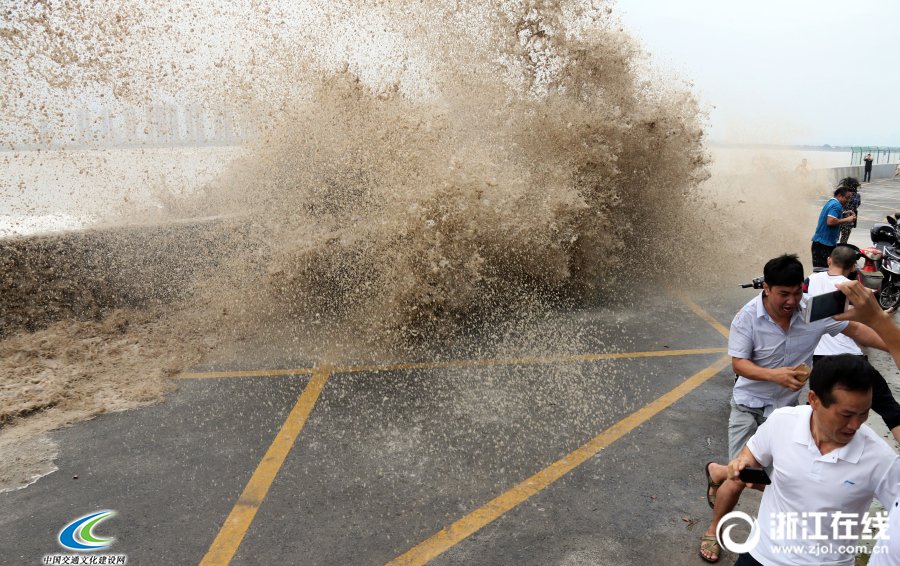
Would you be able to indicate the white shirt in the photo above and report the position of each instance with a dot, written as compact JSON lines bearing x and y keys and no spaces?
{"x":805,"y":481}
{"x":756,"y":337}
{"x":887,"y":551}
{"x":831,"y":345}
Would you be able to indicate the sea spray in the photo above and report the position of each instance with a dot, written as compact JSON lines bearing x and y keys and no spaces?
{"x":409,"y":176}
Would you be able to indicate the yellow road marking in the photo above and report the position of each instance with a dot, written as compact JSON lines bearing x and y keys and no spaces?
{"x":238,"y":521}
{"x":702,"y":313}
{"x":451,"y":535}
{"x":529,"y":360}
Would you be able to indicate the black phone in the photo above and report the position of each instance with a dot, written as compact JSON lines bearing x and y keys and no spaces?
{"x":755,"y":475}
{"x":825,"y":305}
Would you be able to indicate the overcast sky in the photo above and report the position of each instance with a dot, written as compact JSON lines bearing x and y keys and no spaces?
{"x":791,"y":71}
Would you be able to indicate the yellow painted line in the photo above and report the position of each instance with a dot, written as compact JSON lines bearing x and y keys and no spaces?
{"x":528,"y":360}
{"x":251,"y":373}
{"x":238,"y":521}
{"x":702,"y":313}
{"x":861,"y":217}
{"x":451,"y":535}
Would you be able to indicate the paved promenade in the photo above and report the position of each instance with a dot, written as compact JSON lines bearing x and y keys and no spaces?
{"x":592,"y":454}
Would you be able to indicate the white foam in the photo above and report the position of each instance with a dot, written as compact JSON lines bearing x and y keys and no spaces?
{"x":11,"y":226}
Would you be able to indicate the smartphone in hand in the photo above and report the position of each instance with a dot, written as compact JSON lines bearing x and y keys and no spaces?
{"x":756,"y":476}
{"x":825,"y":305}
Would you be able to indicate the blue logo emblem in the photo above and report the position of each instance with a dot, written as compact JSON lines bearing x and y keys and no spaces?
{"x":79,"y":534}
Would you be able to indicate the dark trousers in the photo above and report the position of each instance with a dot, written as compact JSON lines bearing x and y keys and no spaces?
{"x":845,"y":232}
{"x":867,"y":175}
{"x":747,"y":560}
{"x":820,"y":253}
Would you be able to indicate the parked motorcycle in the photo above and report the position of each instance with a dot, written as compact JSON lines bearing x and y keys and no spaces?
{"x":881,"y":266}
{"x":881,"y":270}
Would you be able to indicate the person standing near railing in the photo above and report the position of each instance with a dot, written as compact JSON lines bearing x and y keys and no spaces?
{"x":867,"y":176}
{"x":851,"y":205}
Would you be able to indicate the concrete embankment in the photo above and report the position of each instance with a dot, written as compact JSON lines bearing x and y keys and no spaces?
{"x":880,"y":171}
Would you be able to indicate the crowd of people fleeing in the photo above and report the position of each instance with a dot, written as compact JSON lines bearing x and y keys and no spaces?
{"x":825,"y":466}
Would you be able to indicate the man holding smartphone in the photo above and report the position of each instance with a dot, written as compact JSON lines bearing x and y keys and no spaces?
{"x":828,"y":466}
{"x":841,"y":267}
{"x":867,"y":311}
{"x":768,"y":341}
{"x":828,"y":228}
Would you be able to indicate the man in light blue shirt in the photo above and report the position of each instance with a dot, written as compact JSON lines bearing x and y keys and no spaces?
{"x":828,"y":229}
{"x":767,"y":341}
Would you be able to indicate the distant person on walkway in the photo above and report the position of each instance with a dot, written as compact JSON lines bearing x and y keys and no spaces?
{"x":867,"y":177}
{"x":852,"y":205}
{"x":802,"y":169}
{"x":829,"y":226}
{"x":897,"y":171}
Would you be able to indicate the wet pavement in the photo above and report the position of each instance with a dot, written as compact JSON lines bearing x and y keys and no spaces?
{"x":591,"y":454}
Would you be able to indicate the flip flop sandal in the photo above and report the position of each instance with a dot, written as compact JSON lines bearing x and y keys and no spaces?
{"x":711,"y":545}
{"x":710,"y":485}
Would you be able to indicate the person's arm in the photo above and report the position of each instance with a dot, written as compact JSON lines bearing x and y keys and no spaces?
{"x":786,"y":376}
{"x":884,"y":404}
{"x":887,"y":488}
{"x":832,"y":221}
{"x":867,"y":311}
{"x":864,"y":336}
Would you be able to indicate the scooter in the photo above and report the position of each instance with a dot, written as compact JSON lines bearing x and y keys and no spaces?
{"x":883,"y":259}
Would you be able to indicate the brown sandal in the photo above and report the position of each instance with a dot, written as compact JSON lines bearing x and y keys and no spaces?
{"x":711,"y":545}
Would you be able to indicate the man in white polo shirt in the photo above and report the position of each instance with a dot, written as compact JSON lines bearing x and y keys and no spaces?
{"x":841,"y":263}
{"x":767,"y":341}
{"x":827,"y":467}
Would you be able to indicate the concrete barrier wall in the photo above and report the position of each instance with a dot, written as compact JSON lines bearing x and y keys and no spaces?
{"x":880,"y":171}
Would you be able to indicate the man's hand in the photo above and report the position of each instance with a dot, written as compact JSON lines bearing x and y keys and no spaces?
{"x":865,"y":308}
{"x":742,"y":461}
{"x":787,"y":377}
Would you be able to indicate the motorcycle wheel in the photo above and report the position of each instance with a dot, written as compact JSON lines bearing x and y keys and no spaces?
{"x":889,"y":297}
